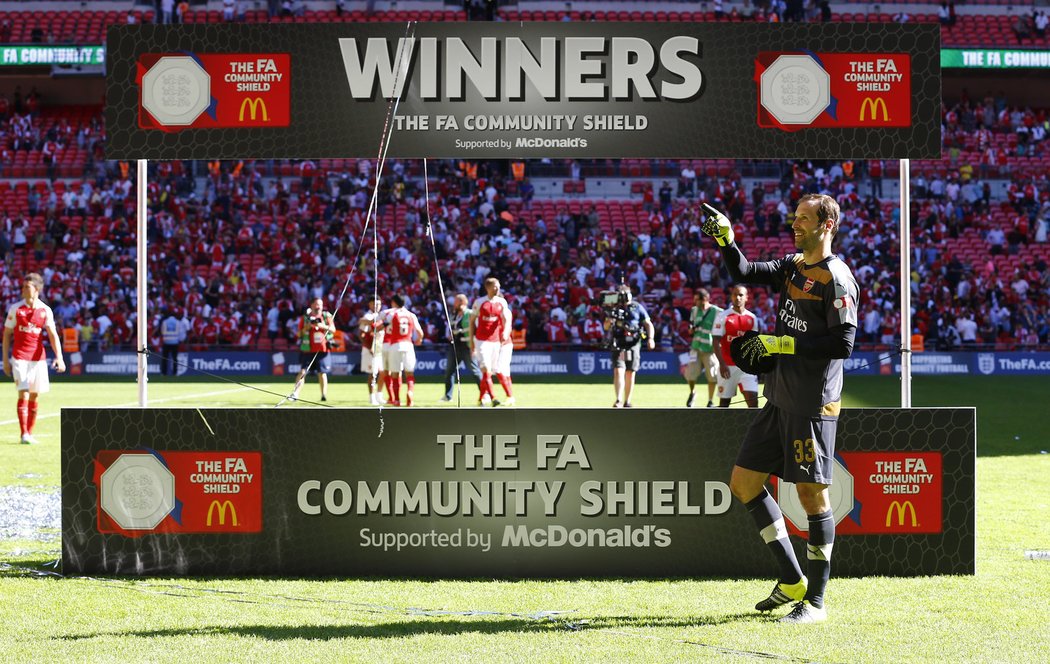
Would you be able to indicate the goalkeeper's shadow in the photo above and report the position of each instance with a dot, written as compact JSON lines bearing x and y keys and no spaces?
{"x":441,"y":625}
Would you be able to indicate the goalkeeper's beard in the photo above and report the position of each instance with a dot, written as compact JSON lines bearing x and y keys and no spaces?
{"x":807,"y":240}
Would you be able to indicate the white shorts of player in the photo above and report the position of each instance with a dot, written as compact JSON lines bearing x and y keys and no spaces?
{"x":31,"y":375}
{"x":727,"y":386}
{"x":399,"y":357}
{"x":488,"y":355}
{"x":371,"y":364}
{"x":503,"y":365}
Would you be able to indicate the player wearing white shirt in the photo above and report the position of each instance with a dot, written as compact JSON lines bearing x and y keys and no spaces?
{"x":371,"y":350}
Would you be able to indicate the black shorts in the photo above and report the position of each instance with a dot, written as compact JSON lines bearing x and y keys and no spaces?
{"x":322,"y":365}
{"x":795,"y":448}
{"x":631,"y":359}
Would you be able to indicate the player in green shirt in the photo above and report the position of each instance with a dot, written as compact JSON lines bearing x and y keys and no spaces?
{"x":459,"y":349}
{"x":702,"y":359}
{"x":316,"y":330}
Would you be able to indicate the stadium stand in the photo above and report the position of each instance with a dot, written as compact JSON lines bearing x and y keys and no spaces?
{"x":985,"y":29}
{"x":237,"y":247}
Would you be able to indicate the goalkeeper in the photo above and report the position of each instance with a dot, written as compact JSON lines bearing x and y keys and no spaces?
{"x":793,"y":436}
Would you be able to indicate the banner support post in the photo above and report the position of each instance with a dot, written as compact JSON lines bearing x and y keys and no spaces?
{"x":905,"y":283}
{"x":142,"y":341}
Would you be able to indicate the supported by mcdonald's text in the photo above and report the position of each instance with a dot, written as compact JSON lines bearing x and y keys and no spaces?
{"x":520,"y":536}
{"x":396,"y":541}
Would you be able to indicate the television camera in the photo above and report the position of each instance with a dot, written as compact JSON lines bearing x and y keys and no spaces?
{"x":622,"y":331}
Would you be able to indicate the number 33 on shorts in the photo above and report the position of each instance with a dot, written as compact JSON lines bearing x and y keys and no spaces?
{"x":804,"y":452}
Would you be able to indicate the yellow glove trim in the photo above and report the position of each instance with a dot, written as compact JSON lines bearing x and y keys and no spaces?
{"x":784,"y":345}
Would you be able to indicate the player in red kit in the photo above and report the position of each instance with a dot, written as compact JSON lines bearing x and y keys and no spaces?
{"x":730,"y":324}
{"x":26,"y":323}
{"x":401,"y":328}
{"x":492,"y":324}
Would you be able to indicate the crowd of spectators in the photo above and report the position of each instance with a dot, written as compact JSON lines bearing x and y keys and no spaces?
{"x":999,"y":293}
{"x":993,"y":130}
{"x":1031,"y":27}
{"x":237,"y":250}
{"x":240,"y":259}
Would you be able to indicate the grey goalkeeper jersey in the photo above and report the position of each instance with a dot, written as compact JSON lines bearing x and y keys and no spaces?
{"x":815,"y":302}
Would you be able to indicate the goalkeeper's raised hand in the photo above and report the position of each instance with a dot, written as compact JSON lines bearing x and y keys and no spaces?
{"x":716,"y":225}
{"x":760,"y":346}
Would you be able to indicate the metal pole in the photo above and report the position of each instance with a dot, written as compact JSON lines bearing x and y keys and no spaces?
{"x":142,"y":340}
{"x":905,"y":244}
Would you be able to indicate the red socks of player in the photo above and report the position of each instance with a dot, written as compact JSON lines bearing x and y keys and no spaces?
{"x":486,"y":386}
{"x":26,"y":415}
{"x":393,"y":389}
{"x":23,"y":414}
{"x":505,"y":382}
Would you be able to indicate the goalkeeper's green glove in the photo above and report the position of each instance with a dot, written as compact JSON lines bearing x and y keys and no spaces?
{"x":764,"y":345}
{"x":716,"y":225}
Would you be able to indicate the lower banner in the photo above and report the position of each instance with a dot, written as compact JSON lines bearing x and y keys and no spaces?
{"x":552,"y":493}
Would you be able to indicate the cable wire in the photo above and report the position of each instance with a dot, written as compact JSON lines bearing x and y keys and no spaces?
{"x":441,"y":287}
{"x":401,"y":66}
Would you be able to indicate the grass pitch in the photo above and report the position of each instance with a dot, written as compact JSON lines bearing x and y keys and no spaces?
{"x":1000,"y":615}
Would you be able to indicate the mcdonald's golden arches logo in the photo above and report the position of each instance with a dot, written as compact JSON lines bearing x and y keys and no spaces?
{"x":225,"y":505}
{"x":255,"y":104}
{"x":872,"y":104}
{"x":901,"y":508}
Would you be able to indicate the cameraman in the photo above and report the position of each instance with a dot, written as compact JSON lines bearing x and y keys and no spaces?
{"x":624,"y":327}
{"x":316,"y":330}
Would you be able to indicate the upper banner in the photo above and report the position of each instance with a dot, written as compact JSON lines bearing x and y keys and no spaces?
{"x":524,"y":90}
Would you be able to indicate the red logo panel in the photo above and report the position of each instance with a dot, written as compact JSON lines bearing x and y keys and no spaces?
{"x":853,"y":89}
{"x":896,"y":492}
{"x":144,"y":491}
{"x":212,"y":90}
